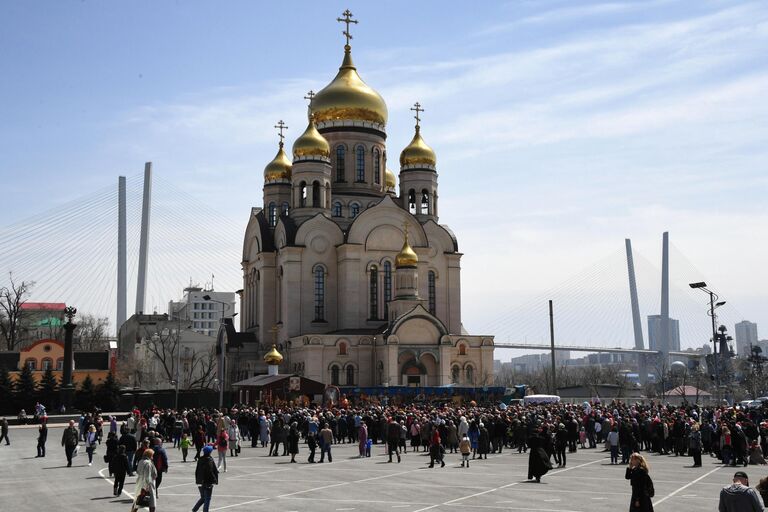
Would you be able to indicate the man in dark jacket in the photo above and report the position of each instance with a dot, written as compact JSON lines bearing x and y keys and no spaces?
{"x":160,"y":460}
{"x":393,"y":439}
{"x":206,"y":476}
{"x":4,"y":431}
{"x":739,"y":496}
{"x":129,"y":441}
{"x":69,"y":440}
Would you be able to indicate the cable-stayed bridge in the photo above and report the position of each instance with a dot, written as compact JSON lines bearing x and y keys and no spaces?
{"x":70,"y":252}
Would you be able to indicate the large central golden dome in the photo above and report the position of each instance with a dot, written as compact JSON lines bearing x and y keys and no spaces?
{"x":348,"y":98}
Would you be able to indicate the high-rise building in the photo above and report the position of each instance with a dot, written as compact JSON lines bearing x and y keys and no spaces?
{"x":746,"y":335}
{"x":654,"y":333}
{"x":202,"y":315}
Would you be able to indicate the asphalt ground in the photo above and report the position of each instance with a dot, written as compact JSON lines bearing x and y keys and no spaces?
{"x":257,"y":482}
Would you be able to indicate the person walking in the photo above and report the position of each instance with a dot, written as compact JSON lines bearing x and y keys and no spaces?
{"x":739,"y":496}
{"x":69,"y":440}
{"x":642,"y":485}
{"x":326,"y":438}
{"x":42,"y":436}
{"x":436,"y":450}
{"x":222,"y":443}
{"x":146,"y":474}
{"x":538,"y":460}
{"x":206,"y":476}
{"x":695,"y":445}
{"x":234,"y":439}
{"x":184,"y":445}
{"x":293,"y":441}
{"x":91,"y":441}
{"x":4,"y":431}
{"x":119,"y":467}
{"x":362,"y":435}
{"x":160,"y":460}
{"x":393,"y":439}
{"x":612,"y":440}
{"x":129,"y":441}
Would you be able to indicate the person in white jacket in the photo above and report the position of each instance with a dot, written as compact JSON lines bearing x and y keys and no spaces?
{"x":234,"y":438}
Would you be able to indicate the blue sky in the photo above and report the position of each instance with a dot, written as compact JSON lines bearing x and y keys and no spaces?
{"x":561,"y":127}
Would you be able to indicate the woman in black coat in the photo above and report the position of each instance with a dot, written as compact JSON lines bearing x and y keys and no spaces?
{"x":293,"y":441}
{"x":642,"y":485}
{"x":483,"y":442}
{"x":111,"y":448}
{"x":119,"y":466}
{"x":538,"y":460}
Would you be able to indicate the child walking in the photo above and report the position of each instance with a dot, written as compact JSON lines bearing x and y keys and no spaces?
{"x":184,"y":444}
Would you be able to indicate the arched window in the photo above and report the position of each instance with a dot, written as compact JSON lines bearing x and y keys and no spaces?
{"x":47,"y":364}
{"x":373,"y":294}
{"x":272,"y":214}
{"x":342,"y":349}
{"x":31,"y":363}
{"x":340,"y":168}
{"x":360,"y":164}
{"x":455,"y":374}
{"x":432,"y":292}
{"x":412,"y":201}
{"x":336,"y":209}
{"x":462,"y":349}
{"x":286,"y":208}
{"x":354,"y":210}
{"x":350,"y":375}
{"x":60,"y":364}
{"x":302,"y":194}
{"x":470,"y":373}
{"x":425,"y":202}
{"x":387,"y":287}
{"x":316,"y":195}
{"x":319,"y":294}
{"x":376,"y":167}
{"x":334,"y":375}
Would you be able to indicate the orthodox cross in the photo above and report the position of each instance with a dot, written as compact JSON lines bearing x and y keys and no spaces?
{"x":281,"y":126}
{"x":347,"y":19}
{"x":274,"y":330}
{"x":417,"y":108}
{"x":309,"y":96}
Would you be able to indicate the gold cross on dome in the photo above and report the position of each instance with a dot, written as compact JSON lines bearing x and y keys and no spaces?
{"x":347,"y":19}
{"x":281,"y":126}
{"x":417,"y":108}
{"x":274,"y":330}
{"x":310,"y":95}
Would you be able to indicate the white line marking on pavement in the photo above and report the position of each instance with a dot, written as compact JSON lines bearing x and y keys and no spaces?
{"x":112,"y":483}
{"x":665,"y":498}
{"x":240,"y":504}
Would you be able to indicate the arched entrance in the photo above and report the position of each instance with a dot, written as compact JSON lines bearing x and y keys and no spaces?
{"x":412,"y":372}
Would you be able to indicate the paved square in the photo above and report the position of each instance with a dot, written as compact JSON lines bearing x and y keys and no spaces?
{"x":255,"y":482}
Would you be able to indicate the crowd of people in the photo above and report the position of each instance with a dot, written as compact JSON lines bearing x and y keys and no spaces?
{"x":547,"y":433}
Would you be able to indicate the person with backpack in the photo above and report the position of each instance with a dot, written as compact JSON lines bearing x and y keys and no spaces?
{"x":206,"y":476}
{"x":222,"y":444}
{"x":160,"y":459}
{"x":642,"y":485}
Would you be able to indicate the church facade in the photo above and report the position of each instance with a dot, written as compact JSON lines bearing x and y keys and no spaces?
{"x":345,"y":266}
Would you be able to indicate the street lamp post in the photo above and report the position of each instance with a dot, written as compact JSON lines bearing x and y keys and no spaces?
{"x":223,"y":352}
{"x":712,"y":306}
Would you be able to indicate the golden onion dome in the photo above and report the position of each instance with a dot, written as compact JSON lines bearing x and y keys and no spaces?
{"x":348,"y":98}
{"x":273,"y":357}
{"x":407,"y":257}
{"x":418,"y":152}
{"x":390,"y":182}
{"x":311,"y":143}
{"x":279,"y":168}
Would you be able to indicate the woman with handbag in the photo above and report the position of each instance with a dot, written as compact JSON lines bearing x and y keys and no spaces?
{"x":91,"y":440}
{"x":146,"y":474}
{"x":642,"y":485}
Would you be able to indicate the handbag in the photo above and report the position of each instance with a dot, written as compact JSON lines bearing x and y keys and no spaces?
{"x":143,"y":499}
{"x":75,"y":451}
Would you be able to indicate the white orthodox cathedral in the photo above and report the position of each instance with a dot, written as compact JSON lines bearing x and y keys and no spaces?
{"x":351,"y":274}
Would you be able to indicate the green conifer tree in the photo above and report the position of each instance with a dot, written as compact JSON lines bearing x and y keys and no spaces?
{"x":6,"y":392}
{"x":48,"y":385}
{"x":25,"y":389}
{"x":84,"y":397}
{"x":109,"y":393}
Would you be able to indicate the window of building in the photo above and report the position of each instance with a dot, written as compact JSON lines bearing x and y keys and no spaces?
{"x":354,"y":210}
{"x":272,"y":214}
{"x":470,"y":372}
{"x":462,"y":349}
{"x":412,"y":201}
{"x":286,"y":208}
{"x":319,"y":294}
{"x":455,"y":374}
{"x":432,"y":292}
{"x":373,"y":294}
{"x":47,"y":364}
{"x":376,"y":167}
{"x":31,"y":364}
{"x":387,"y":287}
{"x":342,"y":349}
{"x":316,"y":195}
{"x":336,"y":209}
{"x":340,"y":168}
{"x":350,"y":375}
{"x":60,"y":364}
{"x":425,"y":202}
{"x":302,"y":194}
{"x":335,"y":375}
{"x":360,"y":164}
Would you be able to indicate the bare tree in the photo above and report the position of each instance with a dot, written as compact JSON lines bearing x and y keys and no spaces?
{"x":198,"y":367}
{"x":12,"y":298}
{"x":200,"y":371}
{"x":91,"y":332}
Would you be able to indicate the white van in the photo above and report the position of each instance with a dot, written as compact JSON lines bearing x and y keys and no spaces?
{"x":541,"y":399}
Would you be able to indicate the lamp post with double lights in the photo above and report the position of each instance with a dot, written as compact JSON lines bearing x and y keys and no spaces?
{"x":713,"y":304}
{"x":222,"y":350}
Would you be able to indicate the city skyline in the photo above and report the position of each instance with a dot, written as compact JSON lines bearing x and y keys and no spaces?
{"x":594,"y":121}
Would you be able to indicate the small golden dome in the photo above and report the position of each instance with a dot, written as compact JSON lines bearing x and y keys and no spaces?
{"x":311,"y":143}
{"x":407,"y":258}
{"x":279,"y":168}
{"x":390,"y":182}
{"x":273,"y":357}
{"x":418,"y":152}
{"x":348,"y":98}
